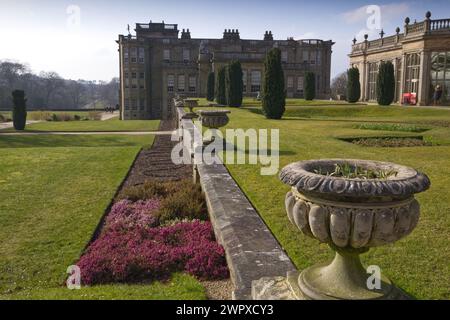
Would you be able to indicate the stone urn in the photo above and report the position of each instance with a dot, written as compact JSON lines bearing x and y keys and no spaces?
{"x":191,"y":104}
{"x":214,"y":119}
{"x":351,"y":215}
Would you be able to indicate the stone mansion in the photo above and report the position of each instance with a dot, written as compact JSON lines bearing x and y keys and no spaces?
{"x":158,"y":63}
{"x":420,"y":55}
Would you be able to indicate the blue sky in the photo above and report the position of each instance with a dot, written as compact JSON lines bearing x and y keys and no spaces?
{"x":46,"y":33}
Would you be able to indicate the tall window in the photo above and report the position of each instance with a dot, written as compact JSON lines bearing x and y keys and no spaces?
{"x":290,"y":82}
{"x":313,"y":57}
{"x":284,"y":56}
{"x":125,"y":55}
{"x":319,"y":57}
{"x":133,"y":54}
{"x":186,"y":55}
{"x":244,"y":80}
{"x":440,"y":71}
{"x":300,"y":85}
{"x":166,"y":55}
{"x":412,"y":72}
{"x":170,"y":82}
{"x":256,"y":81}
{"x":141,"y":55}
{"x":398,"y":78}
{"x":372,"y":83}
{"x":192,"y":84}
{"x":305,"y":55}
{"x":142,"y":104}
{"x":181,"y":83}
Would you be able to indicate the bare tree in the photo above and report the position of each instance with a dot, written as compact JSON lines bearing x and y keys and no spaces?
{"x":339,"y":85}
{"x":75,"y":89}
{"x":52,"y":81}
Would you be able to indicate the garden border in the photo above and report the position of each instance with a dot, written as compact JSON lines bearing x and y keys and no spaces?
{"x":251,"y":250}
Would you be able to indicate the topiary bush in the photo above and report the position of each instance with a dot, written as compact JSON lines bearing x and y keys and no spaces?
{"x":385,"y":84}
{"x":273,"y":91}
{"x":210,"y":86}
{"x":150,"y":254}
{"x":19,"y":109}
{"x":353,"y":85}
{"x":220,"y":90}
{"x":310,"y":86}
{"x":234,"y":84}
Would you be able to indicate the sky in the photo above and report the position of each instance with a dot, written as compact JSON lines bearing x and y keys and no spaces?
{"x":77,"y":38}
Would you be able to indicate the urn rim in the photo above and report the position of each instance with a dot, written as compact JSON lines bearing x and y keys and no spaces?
{"x":301,"y":176}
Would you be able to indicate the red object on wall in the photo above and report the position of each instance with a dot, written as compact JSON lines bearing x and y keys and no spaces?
{"x":413,"y":100}
{"x":409,"y":98}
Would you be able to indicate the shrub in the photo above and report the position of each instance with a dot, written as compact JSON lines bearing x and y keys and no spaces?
{"x":126,"y":214}
{"x":19,"y":109}
{"x":353,"y":85}
{"x":153,"y":189}
{"x":210,"y":87}
{"x":77,"y":117}
{"x":385,"y":84}
{"x":274,"y":94}
{"x":220,"y":90}
{"x":183,"y":204}
{"x":65,"y":117}
{"x":310,"y":86}
{"x":40,"y":115}
{"x":147,"y":254}
{"x":234,"y":84}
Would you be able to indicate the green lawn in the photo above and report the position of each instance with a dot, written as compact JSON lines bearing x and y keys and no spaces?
{"x":54,"y":191}
{"x":91,"y":125}
{"x":420,"y":262}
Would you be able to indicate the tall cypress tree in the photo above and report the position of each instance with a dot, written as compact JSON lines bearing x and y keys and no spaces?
{"x":310,"y":86}
{"x":19,"y":109}
{"x":221,"y":96}
{"x":210,"y":87}
{"x":353,"y":85}
{"x":385,"y":84}
{"x":273,"y":91}
{"x":234,"y":84}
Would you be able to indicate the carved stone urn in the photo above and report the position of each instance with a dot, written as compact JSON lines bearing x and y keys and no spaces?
{"x":351,"y":215}
{"x":214,"y":119}
{"x":191,"y":104}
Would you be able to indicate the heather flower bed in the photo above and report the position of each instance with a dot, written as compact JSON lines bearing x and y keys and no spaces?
{"x":147,"y":237}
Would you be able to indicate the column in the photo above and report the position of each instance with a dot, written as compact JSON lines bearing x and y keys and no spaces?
{"x":424,"y":79}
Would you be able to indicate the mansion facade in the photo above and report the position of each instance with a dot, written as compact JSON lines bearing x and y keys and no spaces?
{"x":420,"y":55}
{"x":158,"y":63}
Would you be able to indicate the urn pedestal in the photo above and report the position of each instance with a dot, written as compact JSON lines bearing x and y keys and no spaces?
{"x":351,"y":215}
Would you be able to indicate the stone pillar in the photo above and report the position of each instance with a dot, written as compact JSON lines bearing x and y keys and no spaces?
{"x":424,"y":78}
{"x":403,"y":80}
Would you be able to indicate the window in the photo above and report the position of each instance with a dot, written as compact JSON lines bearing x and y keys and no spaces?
{"x":305,"y":56}
{"x":141,"y":55}
{"x":319,"y":58}
{"x":126,"y":75}
{"x":256,"y":81}
{"x":312,"y":57}
{"x":244,"y":80}
{"x":318,"y":82}
{"x":192,"y":84}
{"x":170,"y":82}
{"x":284,"y":56}
{"x":127,"y":83}
{"x":133,"y":104}
{"x":186,"y":55}
{"x":134,"y":83}
{"x":372,"y":83}
{"x":412,"y":73}
{"x":142,"y":104}
{"x":125,"y":55}
{"x":141,"y":75}
{"x":166,"y":54}
{"x":300,"y":85}
{"x":133,"y":55}
{"x":181,"y":83}
{"x":440,"y":72}
{"x":290,"y":82}
{"x":127,"y":104}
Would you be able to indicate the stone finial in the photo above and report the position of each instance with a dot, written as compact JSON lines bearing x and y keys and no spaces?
{"x":397,"y":30}
{"x":382,"y":33}
{"x":407,"y":20}
{"x":354,"y":40}
{"x":428,"y":15}
{"x":366,"y":36}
